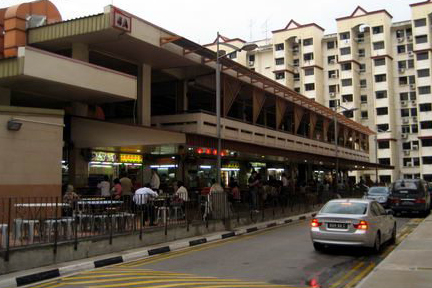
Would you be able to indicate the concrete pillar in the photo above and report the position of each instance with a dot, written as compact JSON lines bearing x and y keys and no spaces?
{"x":144,"y":95}
{"x":80,"y":51}
{"x":5,"y":97}
{"x":78,"y":168}
{"x":181,"y":93}
{"x":79,"y":109}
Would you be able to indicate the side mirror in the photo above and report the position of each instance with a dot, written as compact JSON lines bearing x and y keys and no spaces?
{"x":389,"y":212}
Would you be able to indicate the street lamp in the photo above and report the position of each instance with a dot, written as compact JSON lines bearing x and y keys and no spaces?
{"x":246,"y":47}
{"x":337,"y":139}
{"x":376,"y":153}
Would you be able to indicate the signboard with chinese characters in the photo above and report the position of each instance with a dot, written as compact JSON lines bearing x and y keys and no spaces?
{"x":122,"y":21}
{"x":131,"y":158}
{"x":101,"y":156}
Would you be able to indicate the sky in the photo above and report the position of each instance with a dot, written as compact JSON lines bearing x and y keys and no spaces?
{"x":200,"y":20}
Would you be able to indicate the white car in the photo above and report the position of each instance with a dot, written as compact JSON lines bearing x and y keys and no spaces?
{"x":353,"y":222}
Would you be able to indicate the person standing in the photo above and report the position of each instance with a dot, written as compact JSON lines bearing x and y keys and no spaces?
{"x":155,"y":180}
{"x":254,"y":183}
{"x":104,"y":187}
{"x":126,"y":184}
{"x":182,"y":192}
{"x":117,"y":189}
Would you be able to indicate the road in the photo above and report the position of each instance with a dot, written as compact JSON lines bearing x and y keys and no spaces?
{"x":277,"y":257}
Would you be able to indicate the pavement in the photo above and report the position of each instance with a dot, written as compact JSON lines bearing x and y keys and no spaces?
{"x":408,"y":265}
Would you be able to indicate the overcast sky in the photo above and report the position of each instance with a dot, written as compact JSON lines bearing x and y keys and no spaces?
{"x":199,"y":20}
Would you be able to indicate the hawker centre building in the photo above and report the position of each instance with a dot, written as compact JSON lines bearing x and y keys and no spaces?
{"x":112,"y":94}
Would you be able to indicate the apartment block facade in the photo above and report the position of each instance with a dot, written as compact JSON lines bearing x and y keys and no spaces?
{"x":373,"y":70}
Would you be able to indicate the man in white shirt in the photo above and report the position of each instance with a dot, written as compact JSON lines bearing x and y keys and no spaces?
{"x":141,"y":198}
{"x":104,"y":186}
{"x":182,"y":192}
{"x":155,"y":180}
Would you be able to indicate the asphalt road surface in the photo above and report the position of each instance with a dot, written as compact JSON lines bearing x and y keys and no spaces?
{"x":282,"y":256}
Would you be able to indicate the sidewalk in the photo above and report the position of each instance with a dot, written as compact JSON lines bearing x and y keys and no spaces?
{"x":409,"y":265}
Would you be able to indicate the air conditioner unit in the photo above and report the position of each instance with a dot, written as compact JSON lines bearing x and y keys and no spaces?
{"x":410,"y":38}
{"x":332,"y":61}
{"x":406,"y":152}
{"x":404,"y":103}
{"x":332,"y":94}
{"x":251,"y":63}
{"x":414,"y":118}
{"x":404,"y":135}
{"x":411,"y":54}
{"x":400,"y":39}
{"x":359,"y":40}
{"x":415,"y":147}
{"x":409,"y":164}
{"x":413,"y":102}
{"x":412,"y":86}
{"x":334,"y":76}
{"x":401,"y":70}
{"x":405,"y":120}
{"x":295,"y":50}
{"x":361,"y":54}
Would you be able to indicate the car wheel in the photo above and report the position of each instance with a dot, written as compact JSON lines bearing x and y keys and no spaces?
{"x":393,"y":237}
{"x":377,"y":244}
{"x":318,"y":247}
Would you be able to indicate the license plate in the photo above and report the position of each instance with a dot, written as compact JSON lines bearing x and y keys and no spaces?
{"x":337,"y":225}
{"x":407,"y":203}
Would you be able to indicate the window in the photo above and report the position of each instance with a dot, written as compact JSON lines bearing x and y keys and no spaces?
{"x":421,"y":39}
{"x":331,"y":45}
{"x":424,"y":90}
{"x":345,"y":51}
{"x":297,"y":89}
{"x":344,"y":36}
{"x":416,"y":161}
{"x":410,"y":47}
{"x":279,"y":47}
{"x":406,"y":146}
{"x":308,"y":42}
{"x":405,"y":112}
{"x":346,"y":66}
{"x":346,"y":82}
{"x":400,"y":33}
{"x":410,"y":64}
{"x":380,"y":62}
{"x":309,"y":71}
{"x":364,"y":114}
{"x":361,"y":53}
{"x":422,"y":56}
{"x":333,"y":88}
{"x":308,"y":57}
{"x":363,"y":98}
{"x":296,"y":62}
{"x":232,"y":55}
{"x":405,"y":129}
{"x":414,"y":128}
{"x":381,"y":94}
{"x":413,"y":95}
{"x":427,"y":160}
{"x":384,"y":144}
{"x":252,"y":57}
{"x":403,"y":96}
{"x":363,"y":83}
{"x":280,"y":75}
{"x":347,"y":98}
{"x":377,"y":29}
{"x":331,"y":59}
{"x":426,"y":125}
{"x":309,"y":86}
{"x":403,"y":81}
{"x":420,"y":22}
{"x":380,"y":78}
{"x":296,"y":77}
{"x":349,"y":114}
{"x":402,"y":64}
{"x":426,"y":142}
{"x":413,"y":112}
{"x":378,"y":45}
{"x":384,"y":161}
{"x":425,"y":107}
{"x":362,"y":67}
{"x":401,"y":49}
{"x":382,"y":127}
{"x":382,"y":111}
{"x":423,"y":73}
{"x":280,"y":61}
{"x":332,"y":74}
{"x":406,"y":161}
{"x":408,"y":32}
{"x":334,"y":103}
{"x":411,"y":79}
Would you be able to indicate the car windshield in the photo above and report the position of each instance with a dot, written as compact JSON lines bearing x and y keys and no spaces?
{"x":378,"y":190}
{"x":405,"y":185}
{"x":345,"y":208}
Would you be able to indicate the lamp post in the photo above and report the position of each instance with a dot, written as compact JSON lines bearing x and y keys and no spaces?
{"x":376,"y":153}
{"x":245,"y":47}
{"x":337,"y":139}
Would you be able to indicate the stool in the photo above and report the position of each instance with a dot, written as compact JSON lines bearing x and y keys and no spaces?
{"x":4,"y":234}
{"x":176,"y":211}
{"x":22,"y":223}
{"x":162,"y":213}
{"x":67,"y":225}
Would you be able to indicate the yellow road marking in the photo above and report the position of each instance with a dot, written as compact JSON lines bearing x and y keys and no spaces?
{"x":347,"y":275}
{"x":253,"y":285}
{"x":204,"y":283}
{"x":147,"y":275}
{"x":360,"y":275}
{"x":149,"y":281}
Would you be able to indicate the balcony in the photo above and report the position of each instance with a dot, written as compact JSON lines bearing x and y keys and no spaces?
{"x":65,"y":78}
{"x":205,"y":124}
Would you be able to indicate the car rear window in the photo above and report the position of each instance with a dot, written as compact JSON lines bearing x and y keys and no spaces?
{"x":405,"y":186}
{"x":406,"y":189}
{"x":378,"y":190}
{"x":345,"y":208}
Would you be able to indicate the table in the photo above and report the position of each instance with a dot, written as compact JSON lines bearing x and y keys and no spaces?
{"x":98,"y":202}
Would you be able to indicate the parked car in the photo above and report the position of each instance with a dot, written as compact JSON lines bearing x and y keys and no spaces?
{"x":353,"y":222}
{"x":379,"y":194}
{"x":410,"y":195}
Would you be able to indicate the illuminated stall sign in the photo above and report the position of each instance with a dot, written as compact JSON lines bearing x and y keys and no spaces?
{"x":131,"y":158}
{"x":210,"y":151}
{"x":231,"y":167}
{"x":100,"y":156}
{"x":122,"y":21}
{"x":258,"y":165}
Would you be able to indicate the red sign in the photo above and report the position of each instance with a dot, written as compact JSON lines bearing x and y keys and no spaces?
{"x":122,"y":21}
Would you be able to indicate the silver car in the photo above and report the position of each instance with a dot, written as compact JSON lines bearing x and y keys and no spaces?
{"x":353,"y":222}
{"x":379,"y":194}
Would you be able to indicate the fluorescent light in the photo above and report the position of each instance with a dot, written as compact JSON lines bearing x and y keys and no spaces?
{"x":205,"y":167}
{"x":63,"y":161}
{"x":276,"y":169}
{"x":102,"y":166}
{"x":95,"y":162}
{"x":230,"y":169}
{"x":163,"y":166}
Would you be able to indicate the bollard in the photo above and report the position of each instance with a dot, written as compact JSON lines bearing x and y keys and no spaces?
{"x":8,"y":231}
{"x":56,"y":227}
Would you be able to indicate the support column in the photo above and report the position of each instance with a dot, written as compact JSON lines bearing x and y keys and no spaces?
{"x":181,"y":93}
{"x":78,"y":168}
{"x":5,"y":97}
{"x":80,"y":51}
{"x":144,"y":95}
{"x":258,"y":102}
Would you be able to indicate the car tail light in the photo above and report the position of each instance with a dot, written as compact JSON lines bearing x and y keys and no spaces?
{"x":420,"y":200}
{"x":362,"y":225}
{"x":394,"y":200}
{"x":315,"y":223}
